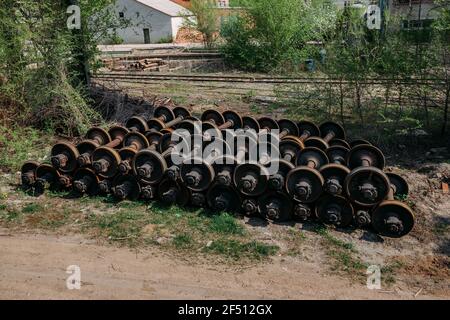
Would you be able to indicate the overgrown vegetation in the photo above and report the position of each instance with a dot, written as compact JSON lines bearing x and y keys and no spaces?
{"x":344,"y":256}
{"x":271,"y":34}
{"x":137,"y":224}
{"x":19,"y":144}
{"x":204,"y":20}
{"x":44,"y":74}
{"x":394,"y":77}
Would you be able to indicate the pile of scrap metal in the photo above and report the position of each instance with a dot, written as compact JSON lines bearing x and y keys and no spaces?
{"x":301,"y":171}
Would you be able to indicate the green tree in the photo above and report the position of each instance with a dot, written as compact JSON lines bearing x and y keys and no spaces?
{"x":45,"y":64}
{"x":270,"y":34}
{"x":204,"y":20}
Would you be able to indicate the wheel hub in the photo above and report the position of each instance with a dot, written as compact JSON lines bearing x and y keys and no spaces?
{"x":28,"y":178}
{"x":249,"y":183}
{"x":221,"y":203}
{"x":59,"y":160}
{"x":249,"y":206}
{"x":80,"y":186}
{"x":363,"y":218}
{"x":394,"y":225}
{"x":333,"y":186}
{"x":224,"y":178}
{"x":276,"y":182}
{"x":101,"y":166}
{"x":334,"y":214}
{"x":368,"y":191}
{"x":302,"y":212}
{"x":173,"y":173}
{"x":84,"y":159}
{"x":198,"y":199}
{"x":148,"y":192}
{"x":170,"y":195}
{"x":105,"y":186}
{"x":123,"y":190}
{"x":124,"y":167}
{"x":65,"y":181}
{"x":145,"y":170}
{"x":273,"y":210}
{"x":193,"y":178}
{"x":303,"y":189}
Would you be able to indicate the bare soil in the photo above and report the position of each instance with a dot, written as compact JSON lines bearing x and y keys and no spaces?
{"x":34,"y":267}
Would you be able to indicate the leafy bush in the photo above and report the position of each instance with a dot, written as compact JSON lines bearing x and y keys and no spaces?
{"x":270,"y":33}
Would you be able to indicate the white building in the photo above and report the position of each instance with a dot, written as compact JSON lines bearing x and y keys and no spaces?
{"x":151,"y":21}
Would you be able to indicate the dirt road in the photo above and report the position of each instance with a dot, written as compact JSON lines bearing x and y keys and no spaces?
{"x":34,"y":267}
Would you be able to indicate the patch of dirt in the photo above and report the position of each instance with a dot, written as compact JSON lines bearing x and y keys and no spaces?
{"x":34,"y":267}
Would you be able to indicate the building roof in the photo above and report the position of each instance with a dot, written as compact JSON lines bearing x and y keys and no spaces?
{"x":165,"y":6}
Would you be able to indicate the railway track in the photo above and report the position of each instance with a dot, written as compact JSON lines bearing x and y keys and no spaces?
{"x":257,"y":79}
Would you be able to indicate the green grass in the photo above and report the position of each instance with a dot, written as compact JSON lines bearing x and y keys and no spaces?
{"x":235,"y":249}
{"x":225,"y":224}
{"x":343,"y":254}
{"x":193,"y":232}
{"x":19,"y":145}
{"x":10,"y":215}
{"x":294,"y":239}
{"x":123,"y":225}
{"x":388,"y":272}
{"x":32,"y":208}
{"x":183,"y":241}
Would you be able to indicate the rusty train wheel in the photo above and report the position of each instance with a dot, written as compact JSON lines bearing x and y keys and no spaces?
{"x":126,"y":187}
{"x":172,"y":192}
{"x":304,"y":184}
{"x":86,"y":181}
{"x":164,"y":113}
{"x":393,"y":219}
{"x":335,"y":210}
{"x":339,"y":142}
{"x":399,"y":184}
{"x":213,"y":116}
{"x":222,"y":198}
{"x":137,"y":122}
{"x":250,"y":123}
{"x":136,"y":139}
{"x":316,"y":142}
{"x":338,"y":154}
{"x":28,"y":173}
{"x":336,"y":128}
{"x":308,"y":126}
{"x":289,"y":126}
{"x":98,"y":134}
{"x":233,"y":117}
{"x":64,"y":157}
{"x":105,"y":162}
{"x":149,"y":166}
{"x":197,"y":174}
{"x":276,"y":206}
{"x":277,"y":181}
{"x":368,"y":152}
{"x":334,"y":175}
{"x":367,"y":186}
{"x":251,"y":179}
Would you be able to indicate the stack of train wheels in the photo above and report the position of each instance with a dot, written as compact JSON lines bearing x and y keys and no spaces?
{"x":280,"y":170}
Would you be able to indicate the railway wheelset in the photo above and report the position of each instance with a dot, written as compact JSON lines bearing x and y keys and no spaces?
{"x":316,"y":173}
